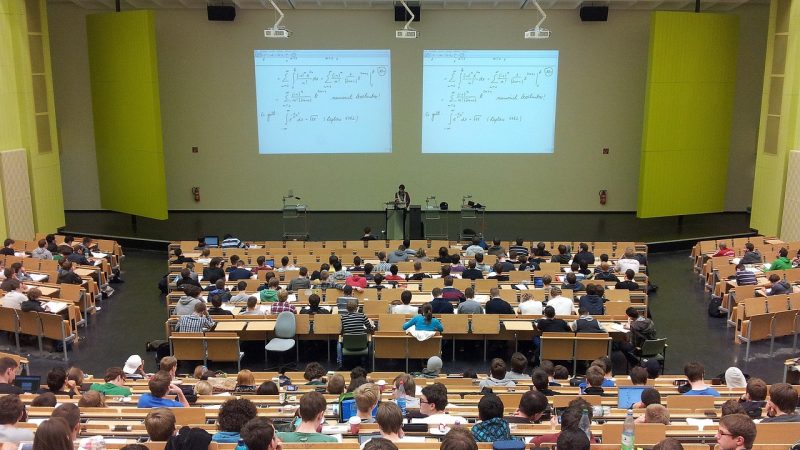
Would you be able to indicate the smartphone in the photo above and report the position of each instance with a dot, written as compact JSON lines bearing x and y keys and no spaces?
{"x":291,"y":388}
{"x":680,"y":383}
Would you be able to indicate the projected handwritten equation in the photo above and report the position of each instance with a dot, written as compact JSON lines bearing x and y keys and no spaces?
{"x":329,"y":101}
{"x":489,"y":101}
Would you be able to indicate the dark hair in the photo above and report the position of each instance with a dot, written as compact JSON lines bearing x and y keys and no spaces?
{"x":668,"y":444}
{"x":11,"y":409}
{"x":532,"y":403}
{"x":638,"y":375}
{"x":540,"y":379}
{"x":56,"y":379}
{"x":739,"y":425}
{"x":314,"y":370}
{"x":783,"y":252}
{"x":311,"y":404}
{"x":436,"y":394}
{"x":160,"y":424}
{"x":53,"y":434}
{"x":572,"y":279}
{"x":498,"y":368}
{"x":518,"y":362}
{"x":427,"y":312}
{"x":44,"y":399}
{"x":69,"y":412}
{"x":732,"y":407}
{"x":757,"y":389}
{"x":405,"y":297}
{"x":651,"y":396}
{"x":379,"y":443}
{"x":595,"y":376}
{"x":489,"y":407}
{"x":313,"y":301}
{"x":783,"y":396}
{"x":694,"y":371}
{"x":159,"y":384}
{"x":234,"y":413}
{"x":258,"y":433}
{"x":267,"y":388}
{"x":549,"y":312}
{"x":548,"y":367}
{"x":459,"y":438}
{"x":573,"y":440}
{"x":251,"y":302}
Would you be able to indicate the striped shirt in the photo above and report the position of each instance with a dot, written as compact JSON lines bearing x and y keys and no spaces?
{"x":517,"y":250}
{"x":356,"y":323}
{"x":745,"y":277}
{"x":192,"y":323}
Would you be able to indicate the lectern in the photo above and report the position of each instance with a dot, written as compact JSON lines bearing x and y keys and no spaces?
{"x":395,"y":221}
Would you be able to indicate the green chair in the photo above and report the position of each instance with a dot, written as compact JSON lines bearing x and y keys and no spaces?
{"x":653,"y":349}
{"x":355,"y":345}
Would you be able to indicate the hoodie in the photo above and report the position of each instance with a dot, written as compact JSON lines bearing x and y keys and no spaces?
{"x":186,"y":305}
{"x":397,"y":256}
{"x":189,"y":439}
{"x":492,"y":381}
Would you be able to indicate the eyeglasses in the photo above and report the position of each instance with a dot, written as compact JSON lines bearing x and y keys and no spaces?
{"x":721,"y":433}
{"x":426,"y":402}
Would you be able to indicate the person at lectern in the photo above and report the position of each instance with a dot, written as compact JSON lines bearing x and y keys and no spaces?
{"x":401,"y":197}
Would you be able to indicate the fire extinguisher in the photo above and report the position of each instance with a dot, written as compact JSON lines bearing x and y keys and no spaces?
{"x":196,"y":193}
{"x":603,"y":197}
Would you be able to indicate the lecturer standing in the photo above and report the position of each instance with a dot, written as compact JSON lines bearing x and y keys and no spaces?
{"x":401,"y":197}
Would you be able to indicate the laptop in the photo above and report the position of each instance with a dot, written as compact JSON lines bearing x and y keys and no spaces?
{"x":270,"y":262}
{"x":628,"y":395}
{"x":211,"y":241}
{"x":30,"y":384}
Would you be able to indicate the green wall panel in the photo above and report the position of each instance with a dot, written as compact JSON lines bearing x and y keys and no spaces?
{"x":127,"y":113}
{"x":688,"y":113}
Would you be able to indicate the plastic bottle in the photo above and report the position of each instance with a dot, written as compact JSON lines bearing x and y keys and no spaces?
{"x":401,"y":398}
{"x":241,"y":445}
{"x":627,"y":432}
{"x":585,"y":423}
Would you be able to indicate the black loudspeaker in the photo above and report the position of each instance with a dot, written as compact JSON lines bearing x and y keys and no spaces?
{"x":401,"y":15}
{"x":224,"y":13}
{"x":594,"y":13}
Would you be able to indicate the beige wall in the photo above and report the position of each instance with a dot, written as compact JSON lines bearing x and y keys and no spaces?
{"x":208,"y":100}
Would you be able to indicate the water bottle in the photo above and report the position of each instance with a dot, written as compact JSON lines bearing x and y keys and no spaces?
{"x":241,"y":445}
{"x":401,"y":398}
{"x":627,"y":432}
{"x":585,"y":423}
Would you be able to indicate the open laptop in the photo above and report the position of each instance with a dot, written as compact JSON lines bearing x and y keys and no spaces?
{"x":270,"y":262}
{"x":211,"y":241}
{"x":30,"y":384}
{"x":628,"y":395}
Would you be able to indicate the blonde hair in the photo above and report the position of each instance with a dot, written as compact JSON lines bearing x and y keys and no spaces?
{"x":245,"y":378}
{"x":203,"y":388}
{"x":366,"y":397}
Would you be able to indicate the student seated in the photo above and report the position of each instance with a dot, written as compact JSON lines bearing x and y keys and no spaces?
{"x":492,"y":427}
{"x":160,"y":385}
{"x":497,"y":375}
{"x":160,"y":424}
{"x":531,"y":408}
{"x":12,"y":411}
{"x":259,"y":434}
{"x":433,"y":402}
{"x":233,"y":415}
{"x":695,"y":371}
{"x":312,"y":414}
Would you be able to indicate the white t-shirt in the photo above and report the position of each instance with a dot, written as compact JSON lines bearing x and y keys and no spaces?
{"x":561,"y":304}
{"x":14,"y":299}
{"x":531,"y":307}
{"x":436,"y":419}
{"x":625,"y":264}
{"x":404,"y":309}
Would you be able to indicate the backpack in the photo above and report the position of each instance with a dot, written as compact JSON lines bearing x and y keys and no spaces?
{"x":714,"y":307}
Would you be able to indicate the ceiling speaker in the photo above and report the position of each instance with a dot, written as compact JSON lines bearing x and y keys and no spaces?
{"x":401,"y":15}
{"x":222,"y":13}
{"x":594,"y":13}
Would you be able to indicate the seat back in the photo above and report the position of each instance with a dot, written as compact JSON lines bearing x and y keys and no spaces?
{"x":590,"y":346}
{"x":285,"y":326}
{"x":486,"y":324}
{"x":455,"y":323}
{"x":375,"y":307}
{"x":29,"y":323}
{"x":55,"y":327}
{"x":482,"y":286}
{"x":391,"y":322}
{"x":222,"y":347}
{"x":702,"y":402}
{"x":188,"y":346}
{"x":759,"y":326}
{"x":654,"y":347}
{"x":557,"y":346}
{"x":8,"y":320}
{"x":784,"y":323}
{"x":777,"y":303}
{"x":646,"y":433}
{"x":303,"y":323}
{"x":616,"y":308}
{"x":617,"y":295}
{"x":355,"y":342}
{"x":777,"y":433}
{"x":327,"y":324}
{"x":189,"y":416}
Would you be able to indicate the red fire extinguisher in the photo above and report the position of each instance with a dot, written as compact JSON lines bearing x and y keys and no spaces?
{"x":196,"y":193}
{"x":603,"y":197}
